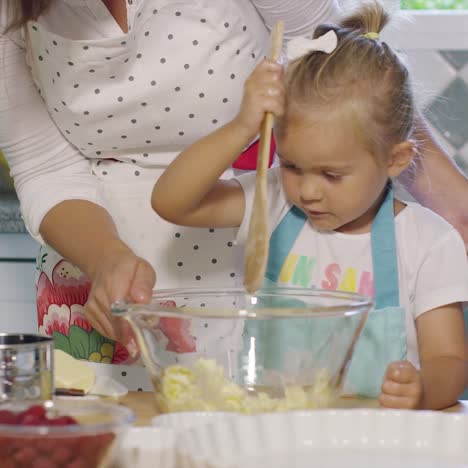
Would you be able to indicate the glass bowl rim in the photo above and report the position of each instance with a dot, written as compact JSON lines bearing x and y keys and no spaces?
{"x":123,"y":417}
{"x":357,"y":304}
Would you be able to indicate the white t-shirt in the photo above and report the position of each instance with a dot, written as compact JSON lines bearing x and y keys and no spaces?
{"x":432,"y":262}
{"x":116,"y":104}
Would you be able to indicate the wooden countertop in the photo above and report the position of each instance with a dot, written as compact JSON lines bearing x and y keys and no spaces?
{"x":143,"y":405}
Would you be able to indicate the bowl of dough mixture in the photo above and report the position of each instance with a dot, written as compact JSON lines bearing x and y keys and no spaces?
{"x":227,"y":350}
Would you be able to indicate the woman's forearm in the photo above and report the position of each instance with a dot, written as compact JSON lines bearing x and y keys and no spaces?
{"x":443,"y":380}
{"x":437,"y":183}
{"x":81,"y":232}
{"x":434,"y":169}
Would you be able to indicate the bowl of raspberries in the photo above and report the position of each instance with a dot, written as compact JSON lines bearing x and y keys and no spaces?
{"x":63,"y":434}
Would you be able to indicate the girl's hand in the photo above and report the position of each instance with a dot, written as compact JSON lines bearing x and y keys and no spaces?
{"x":402,"y":386}
{"x":264,"y":91}
{"x":120,"y":275}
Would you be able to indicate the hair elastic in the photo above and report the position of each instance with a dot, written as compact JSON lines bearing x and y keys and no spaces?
{"x":371,"y":35}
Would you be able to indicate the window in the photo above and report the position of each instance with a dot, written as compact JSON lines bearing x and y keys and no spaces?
{"x":435,"y":43}
{"x":434,"y":4}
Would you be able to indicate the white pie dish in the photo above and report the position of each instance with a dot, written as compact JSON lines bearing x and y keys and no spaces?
{"x":329,"y":439}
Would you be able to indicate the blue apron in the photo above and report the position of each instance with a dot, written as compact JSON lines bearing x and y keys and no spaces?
{"x":383,"y":339}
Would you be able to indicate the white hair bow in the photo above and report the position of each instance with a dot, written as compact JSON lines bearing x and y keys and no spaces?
{"x":300,"y":46}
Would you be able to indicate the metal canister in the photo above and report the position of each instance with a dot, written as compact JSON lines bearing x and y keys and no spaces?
{"x":26,"y":368}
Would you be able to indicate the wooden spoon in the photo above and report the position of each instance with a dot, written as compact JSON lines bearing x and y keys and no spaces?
{"x":258,"y":236}
{"x":340,"y":376}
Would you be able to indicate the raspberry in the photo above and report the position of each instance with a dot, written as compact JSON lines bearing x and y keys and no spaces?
{"x":33,"y":416}
{"x":43,"y":462}
{"x":77,"y":464}
{"x":32,"y":420}
{"x":49,"y":450}
{"x":25,"y":456}
{"x":8,"y":417}
{"x":61,"y":455}
{"x":62,"y":421}
{"x":37,"y":410}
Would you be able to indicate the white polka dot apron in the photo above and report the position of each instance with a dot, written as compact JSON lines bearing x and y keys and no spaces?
{"x":131,"y":102}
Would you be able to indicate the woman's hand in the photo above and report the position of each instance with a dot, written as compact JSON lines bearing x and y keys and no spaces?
{"x":402,"y":386}
{"x":88,"y":239}
{"x":264,"y":91}
{"x":120,"y":275}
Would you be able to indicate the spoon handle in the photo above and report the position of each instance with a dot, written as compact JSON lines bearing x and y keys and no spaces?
{"x":258,"y":236}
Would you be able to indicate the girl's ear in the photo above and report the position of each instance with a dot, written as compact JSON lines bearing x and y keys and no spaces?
{"x":401,"y":156}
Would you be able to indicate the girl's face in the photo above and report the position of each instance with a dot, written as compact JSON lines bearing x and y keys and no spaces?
{"x":329,"y":175}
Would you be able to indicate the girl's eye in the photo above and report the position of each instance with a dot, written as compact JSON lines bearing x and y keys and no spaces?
{"x":332,"y":176}
{"x":288,"y":166}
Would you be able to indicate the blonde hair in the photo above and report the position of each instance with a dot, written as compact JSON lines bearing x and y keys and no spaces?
{"x":363,"y":81}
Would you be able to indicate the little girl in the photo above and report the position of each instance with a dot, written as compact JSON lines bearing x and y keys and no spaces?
{"x":344,"y":126}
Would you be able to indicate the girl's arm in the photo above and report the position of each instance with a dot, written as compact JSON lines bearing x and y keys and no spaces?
{"x":190,"y":192}
{"x":443,"y":354}
{"x":440,"y":272}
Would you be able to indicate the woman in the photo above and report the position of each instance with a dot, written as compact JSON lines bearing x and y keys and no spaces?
{"x":96,"y":98}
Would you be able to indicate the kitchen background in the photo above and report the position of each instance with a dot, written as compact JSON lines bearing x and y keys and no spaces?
{"x":436,"y":44}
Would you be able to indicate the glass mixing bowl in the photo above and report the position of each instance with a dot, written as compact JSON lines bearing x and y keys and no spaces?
{"x":227,"y":350}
